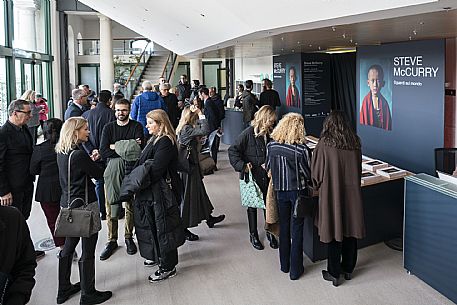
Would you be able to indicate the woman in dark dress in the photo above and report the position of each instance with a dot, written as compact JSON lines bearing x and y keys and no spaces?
{"x":248,"y":153}
{"x":44,"y":164}
{"x":158,"y":191}
{"x":74,"y":132}
{"x":196,"y":205}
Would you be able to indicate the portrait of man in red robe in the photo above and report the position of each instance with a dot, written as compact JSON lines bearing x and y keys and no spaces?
{"x":375,"y":110}
{"x":293,"y":95}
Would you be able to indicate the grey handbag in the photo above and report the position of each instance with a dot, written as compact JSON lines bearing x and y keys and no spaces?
{"x":82,"y":221}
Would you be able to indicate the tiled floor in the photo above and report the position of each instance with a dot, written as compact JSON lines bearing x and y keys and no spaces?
{"x":223,"y":268}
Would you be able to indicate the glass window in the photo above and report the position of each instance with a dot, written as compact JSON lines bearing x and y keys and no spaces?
{"x":2,"y":23}
{"x":28,"y":77}
{"x":38,"y":78}
{"x":17,"y":65}
{"x":3,"y":100}
{"x":29,"y":25}
{"x":45,"y":79}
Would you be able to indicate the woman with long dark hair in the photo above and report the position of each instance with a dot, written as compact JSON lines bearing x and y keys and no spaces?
{"x":196,"y":205}
{"x":44,"y":164}
{"x":336,"y":170}
{"x":248,"y":153}
{"x":288,"y":157}
{"x":75,"y":131}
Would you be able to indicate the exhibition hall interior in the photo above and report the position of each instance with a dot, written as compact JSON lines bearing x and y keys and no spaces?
{"x":390,"y":69}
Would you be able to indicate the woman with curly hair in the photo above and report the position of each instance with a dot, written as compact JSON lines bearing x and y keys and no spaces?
{"x":248,"y":153}
{"x":336,"y":170}
{"x":287,"y":156}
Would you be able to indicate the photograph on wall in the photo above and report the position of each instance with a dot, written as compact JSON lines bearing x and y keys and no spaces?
{"x":293,"y":83}
{"x":375,"y":93}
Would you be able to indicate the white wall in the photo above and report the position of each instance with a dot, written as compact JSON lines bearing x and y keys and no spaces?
{"x":253,"y":68}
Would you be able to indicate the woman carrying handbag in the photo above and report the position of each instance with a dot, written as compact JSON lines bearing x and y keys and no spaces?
{"x":248,"y":154}
{"x":285,"y":153}
{"x":75,"y":171}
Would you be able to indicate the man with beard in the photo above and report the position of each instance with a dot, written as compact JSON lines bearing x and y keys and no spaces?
{"x":121,"y":129}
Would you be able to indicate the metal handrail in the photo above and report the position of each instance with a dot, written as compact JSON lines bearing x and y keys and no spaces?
{"x":138,"y":62}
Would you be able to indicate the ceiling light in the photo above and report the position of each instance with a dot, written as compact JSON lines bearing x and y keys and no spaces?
{"x":298,"y":42}
{"x":144,"y":20}
{"x":146,"y":10}
{"x":410,"y":38}
{"x":421,"y":23}
{"x":355,"y":43}
{"x":414,"y":32}
{"x":187,"y":27}
{"x":282,"y":38}
{"x":319,"y":48}
{"x":293,"y":50}
{"x":310,"y":45}
{"x":282,"y":49}
{"x":203,"y":15}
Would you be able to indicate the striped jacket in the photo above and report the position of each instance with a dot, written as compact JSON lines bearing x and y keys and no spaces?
{"x":281,"y":161}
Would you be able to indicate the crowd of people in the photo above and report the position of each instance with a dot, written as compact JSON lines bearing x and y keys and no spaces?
{"x":145,"y":159}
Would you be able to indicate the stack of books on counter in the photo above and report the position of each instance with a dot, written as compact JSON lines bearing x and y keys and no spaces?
{"x":370,"y":177}
{"x":391,"y":172}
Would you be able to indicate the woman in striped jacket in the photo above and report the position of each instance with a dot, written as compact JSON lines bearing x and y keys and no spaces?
{"x":287,"y":156}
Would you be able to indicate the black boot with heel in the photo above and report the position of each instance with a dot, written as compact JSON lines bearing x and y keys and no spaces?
{"x":66,"y":289}
{"x":253,"y":234}
{"x":89,"y":295}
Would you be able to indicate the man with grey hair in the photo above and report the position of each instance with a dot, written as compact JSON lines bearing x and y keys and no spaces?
{"x":145,"y":102}
{"x":117,"y":90}
{"x":76,"y":107}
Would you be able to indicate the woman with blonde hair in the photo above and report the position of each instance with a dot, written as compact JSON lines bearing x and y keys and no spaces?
{"x":248,"y":153}
{"x":74,"y":132}
{"x":34,"y":121}
{"x":288,"y":158}
{"x":158,"y":191}
{"x":196,"y":205}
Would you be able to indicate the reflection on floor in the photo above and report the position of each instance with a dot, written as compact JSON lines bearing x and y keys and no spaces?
{"x":223,"y":268}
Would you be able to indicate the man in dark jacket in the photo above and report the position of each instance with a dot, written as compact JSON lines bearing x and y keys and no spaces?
{"x":250,"y":103}
{"x":97,"y":118}
{"x":16,"y":182}
{"x":77,"y":106}
{"x":171,"y":101}
{"x":183,"y":88}
{"x":17,"y":258}
{"x":221,"y":115}
{"x":269,"y":96}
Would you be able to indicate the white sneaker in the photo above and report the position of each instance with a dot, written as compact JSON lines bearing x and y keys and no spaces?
{"x":161,"y":275}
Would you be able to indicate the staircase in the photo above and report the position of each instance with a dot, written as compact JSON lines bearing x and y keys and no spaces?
{"x":152,"y":72}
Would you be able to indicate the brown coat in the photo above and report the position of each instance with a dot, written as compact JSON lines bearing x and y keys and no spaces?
{"x":336,"y":174}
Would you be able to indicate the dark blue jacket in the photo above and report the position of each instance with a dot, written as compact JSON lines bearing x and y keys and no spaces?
{"x":73,"y":111}
{"x":97,"y":119}
{"x":212,"y":115}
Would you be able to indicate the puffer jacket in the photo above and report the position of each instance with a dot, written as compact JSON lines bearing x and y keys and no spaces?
{"x":250,"y":149}
{"x":143,"y":103}
{"x":157,"y":190}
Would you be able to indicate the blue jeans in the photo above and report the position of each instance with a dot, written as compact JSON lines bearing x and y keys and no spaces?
{"x":100,"y":191}
{"x":290,"y":236}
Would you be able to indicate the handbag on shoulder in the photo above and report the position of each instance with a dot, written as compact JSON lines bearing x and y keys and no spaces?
{"x":82,"y":221}
{"x":183,"y":158}
{"x":304,"y":204}
{"x":251,"y":195}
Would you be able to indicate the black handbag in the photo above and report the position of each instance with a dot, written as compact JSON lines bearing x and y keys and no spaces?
{"x":183,"y":158}
{"x":82,"y":221}
{"x":304,"y":204}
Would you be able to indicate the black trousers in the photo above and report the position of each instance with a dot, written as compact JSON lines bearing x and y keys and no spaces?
{"x":22,"y":200}
{"x":342,"y":256}
{"x":88,"y":246}
{"x":215,"y":148}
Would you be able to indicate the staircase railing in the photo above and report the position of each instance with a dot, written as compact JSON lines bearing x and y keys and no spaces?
{"x":169,"y":66}
{"x":136,"y":66}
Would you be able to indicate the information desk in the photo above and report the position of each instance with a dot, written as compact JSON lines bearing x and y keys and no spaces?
{"x":232,"y":125}
{"x":383,"y":209}
{"x":430,"y":237}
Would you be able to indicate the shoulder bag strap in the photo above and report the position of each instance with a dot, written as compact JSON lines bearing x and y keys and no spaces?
{"x":68,"y":179}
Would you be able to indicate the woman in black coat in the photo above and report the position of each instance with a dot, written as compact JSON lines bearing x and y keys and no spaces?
{"x":196,"y":205}
{"x":75,"y":131}
{"x":44,"y":164}
{"x":249,"y":153}
{"x":158,"y":191}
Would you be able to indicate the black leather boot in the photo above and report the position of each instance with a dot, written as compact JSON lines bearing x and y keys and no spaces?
{"x":253,"y":234}
{"x":66,"y":289}
{"x":273,"y":241}
{"x":89,"y":295}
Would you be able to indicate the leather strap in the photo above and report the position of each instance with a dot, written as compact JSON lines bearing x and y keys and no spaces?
{"x":86,"y":193}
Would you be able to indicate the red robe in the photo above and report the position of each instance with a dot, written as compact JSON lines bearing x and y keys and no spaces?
{"x":293,"y":101}
{"x":368,"y":114}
